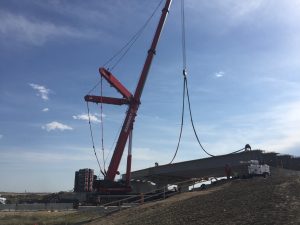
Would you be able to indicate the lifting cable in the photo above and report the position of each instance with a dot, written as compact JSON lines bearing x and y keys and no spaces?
{"x":92,"y":138}
{"x":182,"y":120}
{"x":184,"y":76}
{"x":192,"y":122}
{"x":195,"y":132}
{"x":102,"y":126}
{"x":114,"y":142}
{"x":186,"y":91}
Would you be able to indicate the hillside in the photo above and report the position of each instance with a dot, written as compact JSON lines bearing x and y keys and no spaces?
{"x":275,"y":200}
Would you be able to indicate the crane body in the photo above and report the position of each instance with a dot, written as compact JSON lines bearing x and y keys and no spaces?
{"x":108,"y":185}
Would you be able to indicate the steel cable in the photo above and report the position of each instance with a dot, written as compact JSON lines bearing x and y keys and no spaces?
{"x":92,"y":138}
{"x":186,"y":91}
{"x":127,"y":46}
{"x":182,"y":120}
{"x":132,"y":40}
{"x":102,"y":124}
{"x":184,"y":76}
{"x":194,"y":129}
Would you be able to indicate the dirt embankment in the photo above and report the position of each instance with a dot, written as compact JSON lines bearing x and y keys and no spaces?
{"x":275,"y":200}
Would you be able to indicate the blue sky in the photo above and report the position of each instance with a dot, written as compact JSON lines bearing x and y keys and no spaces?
{"x":243,"y":71}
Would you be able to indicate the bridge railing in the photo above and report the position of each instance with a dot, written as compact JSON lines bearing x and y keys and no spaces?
{"x":155,"y":195}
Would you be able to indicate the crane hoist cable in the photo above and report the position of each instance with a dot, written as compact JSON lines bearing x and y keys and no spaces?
{"x":182,"y":121}
{"x":195,"y":132}
{"x":113,"y":143}
{"x":126,"y":47}
{"x":186,"y":91}
{"x":92,"y":138}
{"x":119,"y":55}
{"x":103,"y":171}
{"x":192,"y":122}
{"x":184,"y":76}
{"x":102,"y":124}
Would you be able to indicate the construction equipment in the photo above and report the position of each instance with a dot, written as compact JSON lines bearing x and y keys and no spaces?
{"x":108,"y":184}
{"x":251,"y":168}
{"x":257,"y":169}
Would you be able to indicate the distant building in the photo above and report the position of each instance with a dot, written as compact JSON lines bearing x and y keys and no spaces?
{"x":84,"y":180}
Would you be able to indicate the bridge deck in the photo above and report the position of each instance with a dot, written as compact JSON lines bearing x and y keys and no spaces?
{"x":206,"y":167}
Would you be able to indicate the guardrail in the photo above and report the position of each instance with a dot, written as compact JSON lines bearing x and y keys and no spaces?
{"x":158,"y":194}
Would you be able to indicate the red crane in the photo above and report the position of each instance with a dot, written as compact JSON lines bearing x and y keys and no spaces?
{"x":108,"y":185}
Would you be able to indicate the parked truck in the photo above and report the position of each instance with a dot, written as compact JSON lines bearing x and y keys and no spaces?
{"x":251,"y":168}
{"x":257,"y":169}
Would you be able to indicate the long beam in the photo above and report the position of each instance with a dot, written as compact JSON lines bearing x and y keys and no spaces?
{"x":206,"y":167}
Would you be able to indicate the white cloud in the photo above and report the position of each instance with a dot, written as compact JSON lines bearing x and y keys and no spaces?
{"x":220,"y":74}
{"x":56,"y":126}
{"x":36,"y":32}
{"x":43,"y":92}
{"x":93,"y":117}
{"x":45,"y":110}
{"x":1,"y":136}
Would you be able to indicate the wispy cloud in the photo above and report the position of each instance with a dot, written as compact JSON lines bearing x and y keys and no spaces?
{"x":36,"y":32}
{"x":45,"y":109}
{"x":93,"y":117}
{"x":234,"y":11}
{"x":1,"y":136}
{"x":42,"y":91}
{"x":56,"y":126}
{"x":219,"y":74}
{"x":242,"y":9}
